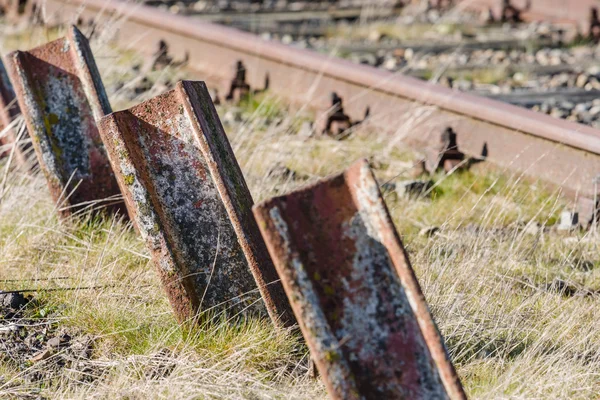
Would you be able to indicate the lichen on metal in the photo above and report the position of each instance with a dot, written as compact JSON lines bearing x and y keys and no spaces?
{"x":187,"y":195}
{"x":61,"y":96}
{"x":354,"y":293}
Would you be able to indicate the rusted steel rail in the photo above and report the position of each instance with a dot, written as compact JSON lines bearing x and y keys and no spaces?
{"x":576,"y":12}
{"x":354,"y":292}
{"x":555,"y":151}
{"x":186,"y":193}
{"x":61,"y":96}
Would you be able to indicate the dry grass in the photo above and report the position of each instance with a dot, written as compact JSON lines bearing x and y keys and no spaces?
{"x":511,"y":329}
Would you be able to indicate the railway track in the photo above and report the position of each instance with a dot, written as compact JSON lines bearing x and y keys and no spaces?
{"x":558,"y":152}
{"x":556,"y":11}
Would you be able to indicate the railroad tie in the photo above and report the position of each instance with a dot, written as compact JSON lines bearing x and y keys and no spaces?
{"x":186,"y":193}
{"x":61,"y":96}
{"x":354,"y":293}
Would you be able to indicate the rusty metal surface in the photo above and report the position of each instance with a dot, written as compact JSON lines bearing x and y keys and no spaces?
{"x":354,"y":293}
{"x":185,"y":191}
{"x":61,"y":96}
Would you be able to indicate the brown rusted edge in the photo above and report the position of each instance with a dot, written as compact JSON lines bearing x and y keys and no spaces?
{"x":314,"y":237}
{"x":237,"y":199}
{"x":181,"y":215}
{"x":61,"y":95}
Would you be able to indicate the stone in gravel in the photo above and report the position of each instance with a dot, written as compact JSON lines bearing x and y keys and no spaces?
{"x":13,"y":301}
{"x":374,"y":36}
{"x":390,"y":64}
{"x":582,"y":80}
{"x":582,"y":107}
{"x":586,"y":118}
{"x":542,"y":58}
{"x":593,"y":70}
{"x":558,"y":113}
{"x":519,"y":77}
{"x":414,"y":189}
{"x":199,"y":6}
{"x":595,"y":111}
{"x":567,"y":105}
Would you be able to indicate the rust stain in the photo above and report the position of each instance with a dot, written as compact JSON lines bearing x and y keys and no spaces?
{"x":187,"y":195}
{"x":354,"y":293}
{"x":61,"y":96}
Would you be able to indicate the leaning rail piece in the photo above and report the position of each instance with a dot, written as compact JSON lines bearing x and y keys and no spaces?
{"x":61,"y":96}
{"x":560,"y":152}
{"x":184,"y":189}
{"x":354,"y":293}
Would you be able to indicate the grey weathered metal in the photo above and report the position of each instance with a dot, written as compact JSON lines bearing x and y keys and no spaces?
{"x":61,"y":96}
{"x":354,"y":293}
{"x":185,"y":190}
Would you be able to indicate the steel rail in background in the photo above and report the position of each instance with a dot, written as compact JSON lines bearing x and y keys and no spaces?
{"x":556,"y":151}
{"x":555,"y":11}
